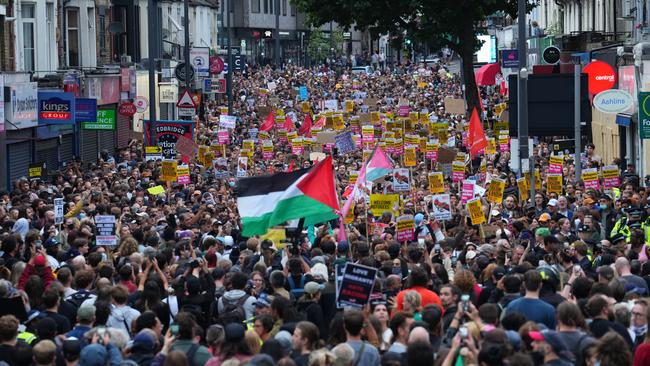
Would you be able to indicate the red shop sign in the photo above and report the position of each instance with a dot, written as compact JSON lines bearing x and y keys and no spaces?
{"x":602,"y":76}
{"x":127,"y":109}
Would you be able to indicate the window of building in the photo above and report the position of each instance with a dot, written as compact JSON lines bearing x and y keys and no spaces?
{"x":266,"y":6}
{"x":72,"y":19}
{"x":51,"y":30}
{"x":293,"y":10}
{"x":255,"y":6}
{"x":102,"y":31}
{"x":28,"y":13}
{"x":284,"y":7}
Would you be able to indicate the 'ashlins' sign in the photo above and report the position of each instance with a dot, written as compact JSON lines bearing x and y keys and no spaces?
{"x":56,"y":108}
{"x":613,"y":101}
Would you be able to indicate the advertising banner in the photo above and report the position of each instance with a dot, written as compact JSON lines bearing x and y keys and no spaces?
{"x":56,"y":108}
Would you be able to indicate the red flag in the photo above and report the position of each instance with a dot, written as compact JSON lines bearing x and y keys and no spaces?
{"x":288,"y":123}
{"x":320,"y":122}
{"x":503,"y":89}
{"x":476,"y":138}
{"x":269,"y":122}
{"x":305,"y":128}
{"x":290,"y":167}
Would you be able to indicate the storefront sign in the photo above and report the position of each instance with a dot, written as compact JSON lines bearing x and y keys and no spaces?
{"x":127,"y":109}
{"x":23,"y":109}
{"x":509,"y":58}
{"x":602,"y":76}
{"x":105,"y":121}
{"x":56,"y":108}
{"x":168,"y":133}
{"x":613,"y":101}
{"x":644,"y":115}
{"x":86,"y":110}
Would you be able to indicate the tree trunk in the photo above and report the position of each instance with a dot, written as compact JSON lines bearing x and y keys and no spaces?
{"x":467,"y":41}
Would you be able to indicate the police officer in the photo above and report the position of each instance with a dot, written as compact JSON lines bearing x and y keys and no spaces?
{"x":625,"y":225}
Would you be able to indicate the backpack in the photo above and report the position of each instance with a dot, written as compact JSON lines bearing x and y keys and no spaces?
{"x":196,"y":311}
{"x":296,"y":291}
{"x":233,"y":311}
{"x":77,"y":299}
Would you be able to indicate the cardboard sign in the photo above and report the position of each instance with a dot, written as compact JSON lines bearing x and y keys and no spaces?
{"x":380,"y":203}
{"x":405,"y":228}
{"x":227,"y":121}
{"x":436,"y":182}
{"x":156,"y":190}
{"x":441,"y":206}
{"x":457,"y":171}
{"x":105,"y":230}
{"x":186,"y":146}
{"x":554,"y":183}
{"x":522,"y":184}
{"x":467,"y":192}
{"x":475,"y":209}
{"x":495,"y":192}
{"x":410,"y":157}
{"x":590,"y":178}
{"x":356,"y":285}
{"x":446,"y":155}
{"x":611,"y":176}
{"x":454,"y":105}
{"x":168,"y":170}
{"x":58,"y":211}
{"x":401,"y":180}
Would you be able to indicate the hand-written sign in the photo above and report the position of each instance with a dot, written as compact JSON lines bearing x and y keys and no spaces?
{"x":356,"y":285}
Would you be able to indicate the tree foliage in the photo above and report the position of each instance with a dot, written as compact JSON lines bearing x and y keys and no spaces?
{"x":437,"y":23}
{"x":319,"y":45}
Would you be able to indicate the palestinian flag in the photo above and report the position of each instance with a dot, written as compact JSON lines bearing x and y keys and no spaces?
{"x":267,"y":201}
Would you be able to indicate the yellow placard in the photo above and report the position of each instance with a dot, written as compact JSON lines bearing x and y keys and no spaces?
{"x":277,"y":236}
{"x":436,"y":182}
{"x":223,"y":110}
{"x":475,"y":209}
{"x":156,"y":190}
{"x":538,"y":179}
{"x":611,"y":171}
{"x":495,"y":191}
{"x":292,"y":135}
{"x":380,"y":203}
{"x":422,"y":85}
{"x":305,"y":107}
{"x":589,"y":175}
{"x":248,"y":144}
{"x":413,"y":117}
{"x":410,"y":157}
{"x":554,"y":183}
{"x":168,"y":170}
{"x":246,"y":152}
{"x":349,"y":217}
{"x":366,"y":154}
{"x":491,"y":148}
{"x":349,"y":106}
{"x":153,"y":150}
{"x":279,"y":112}
{"x":556,"y":160}
{"x":352,"y":178}
{"x":201,"y":154}
{"x":339,"y":124}
{"x":182,"y":170}
{"x":522,"y":184}
{"x":374,"y":117}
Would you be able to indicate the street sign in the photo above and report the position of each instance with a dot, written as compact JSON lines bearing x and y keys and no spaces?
{"x":510,"y":58}
{"x":238,"y":62}
{"x":200,"y":57}
{"x":216,"y":65}
{"x":226,"y":68}
{"x":141,"y":104}
{"x":218,"y":85}
{"x":180,"y":72}
{"x":127,"y":109}
{"x":186,"y":101}
{"x":551,"y":55}
{"x":207,"y":86}
{"x":186,"y":112}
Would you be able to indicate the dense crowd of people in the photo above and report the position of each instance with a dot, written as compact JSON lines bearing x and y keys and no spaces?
{"x":558,"y":279}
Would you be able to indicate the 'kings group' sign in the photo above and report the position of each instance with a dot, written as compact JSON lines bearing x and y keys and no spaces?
{"x":56,"y":108}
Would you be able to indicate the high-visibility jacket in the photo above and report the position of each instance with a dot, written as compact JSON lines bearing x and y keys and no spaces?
{"x":621,"y":227}
{"x":27,"y":337}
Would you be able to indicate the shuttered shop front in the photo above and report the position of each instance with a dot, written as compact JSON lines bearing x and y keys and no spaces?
{"x":67,"y":148}
{"x":89,"y":147}
{"x":19,"y":156}
{"x":47,"y":151}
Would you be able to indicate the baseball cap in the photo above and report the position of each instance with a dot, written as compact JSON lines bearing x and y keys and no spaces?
{"x":552,"y":202}
{"x":51,"y":242}
{"x":235,"y":332}
{"x":544,"y":217}
{"x":551,"y":337}
{"x":263,"y":301}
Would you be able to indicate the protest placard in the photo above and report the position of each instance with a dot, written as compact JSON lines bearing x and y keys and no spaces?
{"x":36,"y":170}
{"x":554,"y":183}
{"x":356,"y":285}
{"x":380,"y":203}
{"x":405,"y":228}
{"x":220,"y":166}
{"x":242,"y":166}
{"x":436,"y":182}
{"x":156,"y":190}
{"x":168,"y":170}
{"x":522,"y":184}
{"x":227,"y":121}
{"x":457,"y":171}
{"x":183,"y":174}
{"x":153,"y":153}
{"x":467,"y":192}
{"x":401,"y":180}
{"x":431,"y":151}
{"x":105,"y":230}
{"x":58,"y":211}
{"x":495,"y":192}
{"x":475,"y":209}
{"x":410,"y":157}
{"x":441,"y":206}
{"x":267,"y":149}
{"x":611,"y":176}
{"x":590,"y":178}
{"x":455,"y":105}
{"x":344,"y":142}
{"x":555,"y":163}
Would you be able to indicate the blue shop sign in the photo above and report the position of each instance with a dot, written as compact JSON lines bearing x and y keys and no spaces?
{"x":56,"y":108}
{"x":86,"y":110}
